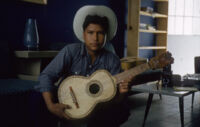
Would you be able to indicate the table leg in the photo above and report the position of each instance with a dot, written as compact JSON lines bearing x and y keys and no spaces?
{"x":147,"y":107}
{"x":181,"y":106}
{"x":157,"y":85}
{"x":192,"y":99}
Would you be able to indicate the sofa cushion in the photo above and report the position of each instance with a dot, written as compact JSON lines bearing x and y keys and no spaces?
{"x":16,"y":86}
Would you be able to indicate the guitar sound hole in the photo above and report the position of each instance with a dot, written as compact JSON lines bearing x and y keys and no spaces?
{"x":94,"y":88}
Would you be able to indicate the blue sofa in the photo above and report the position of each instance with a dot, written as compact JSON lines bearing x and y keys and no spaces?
{"x":20,"y":105}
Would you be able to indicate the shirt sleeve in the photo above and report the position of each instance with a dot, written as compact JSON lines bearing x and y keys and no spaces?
{"x":115,"y":65}
{"x":54,"y":70}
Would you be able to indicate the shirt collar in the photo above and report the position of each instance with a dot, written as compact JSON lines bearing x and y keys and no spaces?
{"x":84,"y":50}
{"x":85,"y":53}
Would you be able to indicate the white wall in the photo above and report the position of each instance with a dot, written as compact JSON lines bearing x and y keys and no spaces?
{"x":184,"y":49}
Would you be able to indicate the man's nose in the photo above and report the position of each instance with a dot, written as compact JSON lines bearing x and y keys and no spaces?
{"x":95,"y":36}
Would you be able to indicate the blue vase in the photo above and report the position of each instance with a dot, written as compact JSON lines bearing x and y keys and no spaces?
{"x":31,"y":38}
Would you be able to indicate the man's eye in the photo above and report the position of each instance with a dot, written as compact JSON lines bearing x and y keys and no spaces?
{"x":101,"y":33}
{"x":90,"y":32}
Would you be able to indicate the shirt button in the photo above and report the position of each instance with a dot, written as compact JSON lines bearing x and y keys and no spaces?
{"x":90,"y":66}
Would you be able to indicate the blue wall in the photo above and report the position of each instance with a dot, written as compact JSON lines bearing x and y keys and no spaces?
{"x":54,"y":22}
{"x":147,"y":39}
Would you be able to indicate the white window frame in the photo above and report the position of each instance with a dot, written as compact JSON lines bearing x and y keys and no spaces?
{"x":184,"y":17}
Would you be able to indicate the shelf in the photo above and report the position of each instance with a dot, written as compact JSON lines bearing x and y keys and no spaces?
{"x":27,"y":77}
{"x":29,"y":64}
{"x":44,"y":2}
{"x":154,"y":15}
{"x":153,"y":47}
{"x":153,"y":31}
{"x":36,"y":54}
{"x":160,"y":0}
{"x":130,"y":62}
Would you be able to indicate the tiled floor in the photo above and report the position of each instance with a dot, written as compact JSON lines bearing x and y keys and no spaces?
{"x":163,"y":113}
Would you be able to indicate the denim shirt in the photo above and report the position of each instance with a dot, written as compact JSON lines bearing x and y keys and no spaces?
{"x":74,"y":59}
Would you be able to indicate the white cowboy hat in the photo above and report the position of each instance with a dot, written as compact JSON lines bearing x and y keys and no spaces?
{"x":94,"y":10}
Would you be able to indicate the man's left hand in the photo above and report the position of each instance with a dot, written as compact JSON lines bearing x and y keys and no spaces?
{"x":124,"y":85}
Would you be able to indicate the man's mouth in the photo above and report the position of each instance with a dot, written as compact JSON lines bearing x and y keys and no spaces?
{"x":94,"y":44}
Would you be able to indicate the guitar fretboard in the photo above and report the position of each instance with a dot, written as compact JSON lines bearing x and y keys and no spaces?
{"x":132,"y":72}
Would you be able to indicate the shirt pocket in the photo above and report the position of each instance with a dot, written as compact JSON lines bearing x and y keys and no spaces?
{"x":76,"y":69}
{"x":101,"y":66}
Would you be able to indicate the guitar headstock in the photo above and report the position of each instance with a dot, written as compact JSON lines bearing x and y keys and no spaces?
{"x":161,"y":60}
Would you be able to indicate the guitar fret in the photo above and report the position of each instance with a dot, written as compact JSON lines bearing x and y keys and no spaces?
{"x":132,"y":72}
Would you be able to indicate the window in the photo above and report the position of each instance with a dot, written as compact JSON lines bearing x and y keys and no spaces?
{"x":184,"y":17}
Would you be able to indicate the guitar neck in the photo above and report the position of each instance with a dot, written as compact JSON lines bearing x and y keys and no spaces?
{"x":131,"y":72}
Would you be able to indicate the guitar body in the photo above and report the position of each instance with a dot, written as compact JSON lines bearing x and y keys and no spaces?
{"x":84,"y":93}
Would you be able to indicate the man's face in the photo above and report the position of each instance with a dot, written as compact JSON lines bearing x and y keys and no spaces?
{"x":94,"y":37}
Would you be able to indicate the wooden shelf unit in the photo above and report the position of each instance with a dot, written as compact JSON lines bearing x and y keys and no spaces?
{"x":160,"y":34}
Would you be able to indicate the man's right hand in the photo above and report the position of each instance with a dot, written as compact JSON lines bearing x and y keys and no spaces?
{"x":58,"y":110}
{"x":55,"y":108}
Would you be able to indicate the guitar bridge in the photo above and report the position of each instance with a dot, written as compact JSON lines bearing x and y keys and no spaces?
{"x":73,"y":97}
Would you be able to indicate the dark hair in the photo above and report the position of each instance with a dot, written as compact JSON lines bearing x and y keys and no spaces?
{"x":95,"y":19}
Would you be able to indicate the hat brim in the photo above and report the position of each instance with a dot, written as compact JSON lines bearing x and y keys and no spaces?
{"x":94,"y":10}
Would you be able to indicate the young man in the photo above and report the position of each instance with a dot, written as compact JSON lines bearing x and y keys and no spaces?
{"x":94,"y":26}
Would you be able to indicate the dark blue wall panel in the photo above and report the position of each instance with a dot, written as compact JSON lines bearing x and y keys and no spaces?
{"x":54,"y":21}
